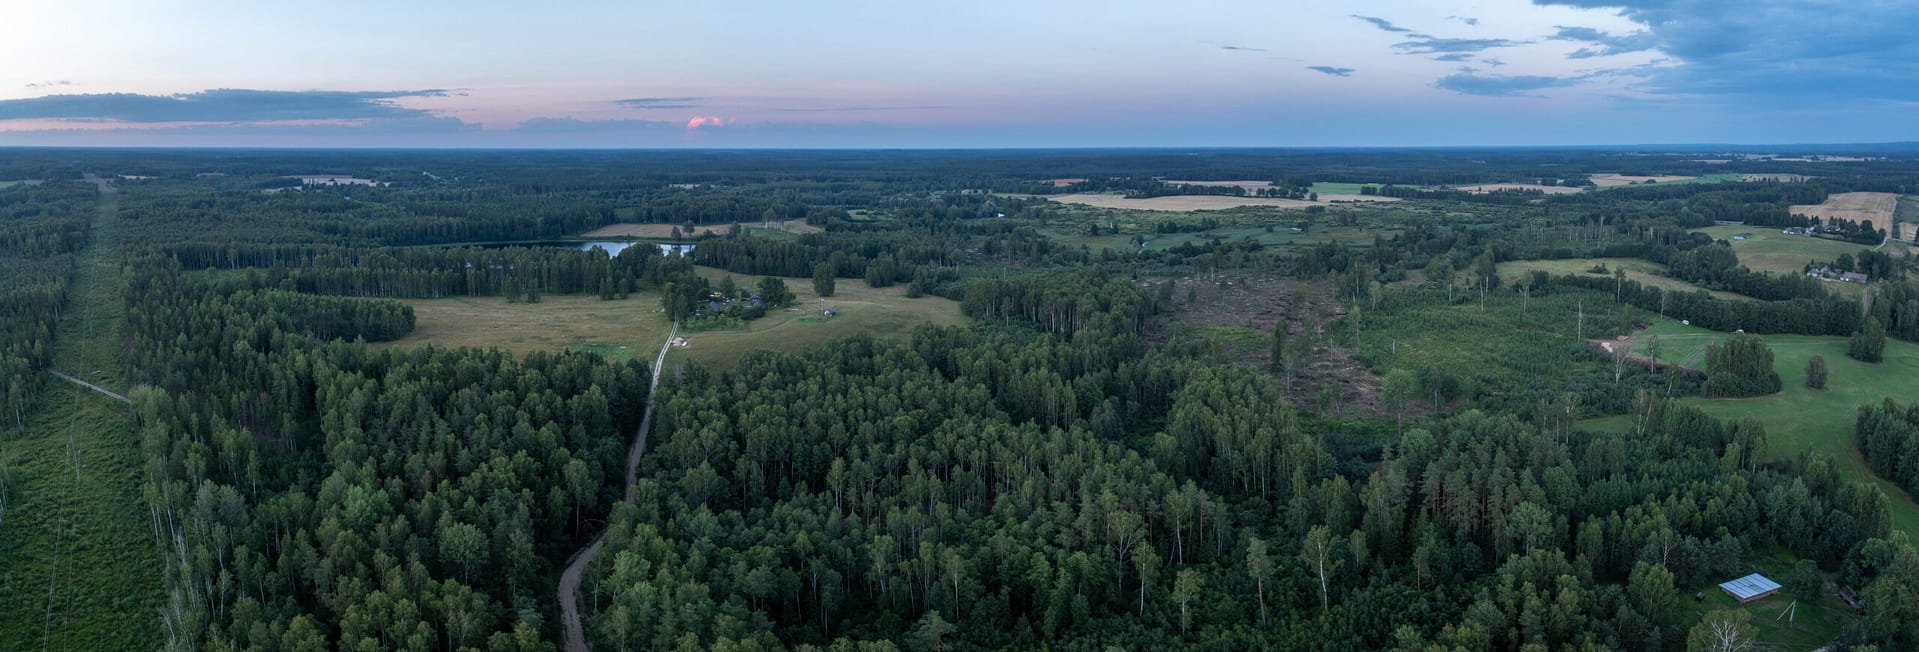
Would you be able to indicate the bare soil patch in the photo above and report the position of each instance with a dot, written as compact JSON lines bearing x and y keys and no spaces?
{"x":1239,"y":312}
{"x":1188,"y":203}
{"x":1485,"y":188}
{"x":1874,"y":207}
{"x":1062,"y":183}
{"x":1610,"y":180}
{"x":626,"y":230}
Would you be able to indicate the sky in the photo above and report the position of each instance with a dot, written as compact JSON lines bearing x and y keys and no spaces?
{"x":972,"y":73}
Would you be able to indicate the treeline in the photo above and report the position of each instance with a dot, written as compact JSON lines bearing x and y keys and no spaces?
{"x":318,"y":494}
{"x":41,"y":228}
{"x":1829,"y":315}
{"x":1061,"y":303}
{"x":1888,"y":437}
{"x":436,"y":272}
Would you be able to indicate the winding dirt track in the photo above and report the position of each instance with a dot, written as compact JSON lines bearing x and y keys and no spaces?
{"x":569,"y":590}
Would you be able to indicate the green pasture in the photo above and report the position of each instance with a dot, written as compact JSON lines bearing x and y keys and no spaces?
{"x":1799,"y":419}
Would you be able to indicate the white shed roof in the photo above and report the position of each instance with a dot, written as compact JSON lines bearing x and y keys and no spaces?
{"x":1746,"y":587}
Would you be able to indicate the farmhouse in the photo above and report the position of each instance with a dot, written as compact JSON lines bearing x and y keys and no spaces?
{"x":1749,"y":588}
{"x":1853,"y":277}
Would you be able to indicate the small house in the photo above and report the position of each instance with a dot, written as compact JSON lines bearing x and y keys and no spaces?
{"x":1853,"y":277}
{"x":1749,"y":588}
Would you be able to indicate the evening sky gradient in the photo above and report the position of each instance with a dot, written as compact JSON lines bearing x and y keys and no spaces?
{"x":978,"y":73}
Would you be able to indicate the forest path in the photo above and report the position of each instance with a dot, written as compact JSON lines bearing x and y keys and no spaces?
{"x":108,"y":392}
{"x":81,"y":570}
{"x":569,"y":590}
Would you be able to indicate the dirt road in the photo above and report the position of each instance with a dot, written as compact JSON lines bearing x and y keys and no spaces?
{"x":569,"y":590}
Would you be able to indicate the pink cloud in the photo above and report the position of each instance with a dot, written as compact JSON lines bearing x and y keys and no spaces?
{"x":705,"y":121}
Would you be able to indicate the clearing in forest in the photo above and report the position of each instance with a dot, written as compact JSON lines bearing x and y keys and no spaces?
{"x":886,"y":313}
{"x":1234,"y":315}
{"x":1188,"y":203}
{"x":79,"y":564}
{"x":1799,"y":418}
{"x":1769,"y":249}
{"x":1875,"y":207}
{"x":1642,"y":271}
{"x":634,"y":327}
{"x":626,"y":230}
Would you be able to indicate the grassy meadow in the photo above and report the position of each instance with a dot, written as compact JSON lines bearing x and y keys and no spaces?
{"x":1799,"y":419}
{"x":635,"y":327}
{"x":1769,"y":250}
{"x":1645,"y":272}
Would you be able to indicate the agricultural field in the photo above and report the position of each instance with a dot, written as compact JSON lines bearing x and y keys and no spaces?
{"x":1800,"y":419}
{"x":1875,"y":207}
{"x":635,"y":326}
{"x":666,"y":230}
{"x":1767,"y":249}
{"x":1189,"y":203}
{"x":1645,"y":272}
{"x":21,"y":182}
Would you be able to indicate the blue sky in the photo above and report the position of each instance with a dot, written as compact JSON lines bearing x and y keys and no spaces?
{"x":978,"y":73}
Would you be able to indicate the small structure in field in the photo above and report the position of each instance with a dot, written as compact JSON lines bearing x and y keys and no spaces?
{"x":1749,"y":588}
{"x":1853,"y":277}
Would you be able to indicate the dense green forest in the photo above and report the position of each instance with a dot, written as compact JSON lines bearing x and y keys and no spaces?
{"x":1345,"y":426}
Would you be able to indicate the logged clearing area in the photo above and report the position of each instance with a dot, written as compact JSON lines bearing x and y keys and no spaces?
{"x":666,"y":230}
{"x":1610,"y":180}
{"x":1234,"y":317}
{"x":1189,"y":203}
{"x":1485,"y":188}
{"x":1644,"y":272}
{"x":635,"y":326}
{"x":1874,"y":207}
{"x":1798,"y":418}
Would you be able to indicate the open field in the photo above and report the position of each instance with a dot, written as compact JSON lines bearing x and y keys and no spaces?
{"x":1486,"y":188}
{"x":666,"y":230}
{"x":883,"y":312}
{"x":1769,"y":250}
{"x":1799,"y":419}
{"x":1645,"y":272}
{"x":617,"y":329}
{"x":1875,"y":207}
{"x":1610,"y":180}
{"x":1188,"y":203}
{"x":23,"y":182}
{"x":635,"y":326}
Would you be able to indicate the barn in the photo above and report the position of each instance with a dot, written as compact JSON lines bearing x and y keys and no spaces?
{"x":1749,"y":588}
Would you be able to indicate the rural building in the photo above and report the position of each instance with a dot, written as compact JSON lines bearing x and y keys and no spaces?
{"x":1749,"y":588}
{"x":1853,"y":277}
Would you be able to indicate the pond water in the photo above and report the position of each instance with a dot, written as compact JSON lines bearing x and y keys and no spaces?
{"x":614,"y":248}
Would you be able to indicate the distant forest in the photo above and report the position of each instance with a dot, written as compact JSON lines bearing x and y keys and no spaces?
{"x":1345,"y":426}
